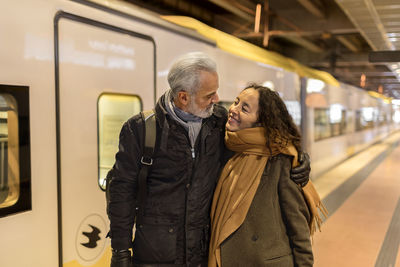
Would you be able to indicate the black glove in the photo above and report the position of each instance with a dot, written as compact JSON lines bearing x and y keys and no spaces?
{"x":301,"y":174}
{"x":121,"y":258}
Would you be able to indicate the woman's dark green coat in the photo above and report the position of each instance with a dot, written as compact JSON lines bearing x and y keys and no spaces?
{"x":275,"y":232}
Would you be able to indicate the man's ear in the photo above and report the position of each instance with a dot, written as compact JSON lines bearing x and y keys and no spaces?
{"x":182,"y":100}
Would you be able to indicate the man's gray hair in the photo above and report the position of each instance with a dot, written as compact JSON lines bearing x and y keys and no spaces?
{"x":185,"y":72}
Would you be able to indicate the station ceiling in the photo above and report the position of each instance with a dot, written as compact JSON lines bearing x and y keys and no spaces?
{"x":331,"y":35}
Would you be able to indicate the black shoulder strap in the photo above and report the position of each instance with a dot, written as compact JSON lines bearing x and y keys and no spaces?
{"x":146,"y":161}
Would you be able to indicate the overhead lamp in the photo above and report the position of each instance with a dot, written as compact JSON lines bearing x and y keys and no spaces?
{"x":394,"y":66}
{"x":380,"y":89}
{"x":257,"y":18}
{"x":362,"y":80}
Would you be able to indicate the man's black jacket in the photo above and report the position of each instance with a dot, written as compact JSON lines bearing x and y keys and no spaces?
{"x":175,"y":226}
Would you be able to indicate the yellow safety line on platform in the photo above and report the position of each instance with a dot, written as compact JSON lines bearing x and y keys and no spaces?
{"x":104,"y":261}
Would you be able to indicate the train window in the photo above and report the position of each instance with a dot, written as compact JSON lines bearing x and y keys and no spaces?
{"x":294,"y":110}
{"x":359,"y":125}
{"x":112,"y":111}
{"x":15,"y":182}
{"x":365,"y":118}
{"x":338,"y":127}
{"x":329,"y":122}
{"x":321,"y":124}
{"x":396,"y":116}
{"x":382,"y":117}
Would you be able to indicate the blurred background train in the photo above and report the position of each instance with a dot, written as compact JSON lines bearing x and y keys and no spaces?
{"x":71,"y":72}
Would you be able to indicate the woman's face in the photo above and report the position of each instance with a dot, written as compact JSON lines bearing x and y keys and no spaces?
{"x":243,"y":112}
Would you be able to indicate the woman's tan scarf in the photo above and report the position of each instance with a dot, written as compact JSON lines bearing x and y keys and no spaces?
{"x":238,"y":184}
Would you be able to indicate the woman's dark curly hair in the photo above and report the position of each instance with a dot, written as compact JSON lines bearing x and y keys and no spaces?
{"x":275,"y":118}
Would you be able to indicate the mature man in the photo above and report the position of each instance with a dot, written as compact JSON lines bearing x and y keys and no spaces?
{"x":189,"y":152}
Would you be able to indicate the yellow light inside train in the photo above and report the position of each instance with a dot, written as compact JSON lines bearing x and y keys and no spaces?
{"x":315,"y":86}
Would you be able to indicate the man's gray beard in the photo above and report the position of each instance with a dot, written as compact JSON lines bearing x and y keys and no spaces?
{"x":195,"y":110}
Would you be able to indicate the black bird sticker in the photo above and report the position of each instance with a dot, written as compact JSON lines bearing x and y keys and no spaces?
{"x":93,"y":237}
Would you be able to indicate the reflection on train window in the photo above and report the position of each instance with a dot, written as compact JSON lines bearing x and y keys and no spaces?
{"x":329,"y":122}
{"x":113,"y":111}
{"x":15,"y":194}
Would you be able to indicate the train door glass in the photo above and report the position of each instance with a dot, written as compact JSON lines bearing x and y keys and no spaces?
{"x":93,"y":58}
{"x":15,"y":179}
{"x":113,"y":111}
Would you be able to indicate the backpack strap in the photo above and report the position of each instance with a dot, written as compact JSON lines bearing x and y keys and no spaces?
{"x":146,"y":161}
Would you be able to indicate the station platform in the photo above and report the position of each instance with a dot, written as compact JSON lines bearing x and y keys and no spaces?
{"x":362,"y":195}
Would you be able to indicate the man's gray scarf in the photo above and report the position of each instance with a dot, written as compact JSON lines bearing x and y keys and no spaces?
{"x":190,"y":122}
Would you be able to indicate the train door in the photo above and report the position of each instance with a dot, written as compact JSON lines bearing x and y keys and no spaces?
{"x":104,"y":75}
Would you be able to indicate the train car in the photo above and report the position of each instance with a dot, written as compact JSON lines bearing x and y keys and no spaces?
{"x":71,"y":72}
{"x":342,"y":121}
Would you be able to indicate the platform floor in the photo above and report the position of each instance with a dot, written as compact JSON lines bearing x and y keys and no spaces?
{"x":362,"y":196}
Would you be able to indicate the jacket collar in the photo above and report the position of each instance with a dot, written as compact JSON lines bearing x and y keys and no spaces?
{"x":208,"y":123}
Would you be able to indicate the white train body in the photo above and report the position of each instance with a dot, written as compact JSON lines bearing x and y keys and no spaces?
{"x":70,"y":73}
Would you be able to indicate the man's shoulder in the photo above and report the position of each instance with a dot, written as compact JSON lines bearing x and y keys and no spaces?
{"x":135,"y":119}
{"x":133,"y":123}
{"x":220,"y":111}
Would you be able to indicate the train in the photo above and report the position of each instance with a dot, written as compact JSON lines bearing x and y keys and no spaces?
{"x":73,"y":71}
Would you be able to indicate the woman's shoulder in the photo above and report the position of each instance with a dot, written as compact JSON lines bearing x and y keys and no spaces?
{"x":278,"y":165}
{"x":281,"y":158}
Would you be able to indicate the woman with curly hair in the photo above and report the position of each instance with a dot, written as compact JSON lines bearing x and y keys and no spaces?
{"x":259,"y":217}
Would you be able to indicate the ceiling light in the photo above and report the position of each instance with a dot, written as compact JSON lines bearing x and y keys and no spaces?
{"x":362,"y":80}
{"x":394,"y":66}
{"x":393,"y":35}
{"x":257,"y":18}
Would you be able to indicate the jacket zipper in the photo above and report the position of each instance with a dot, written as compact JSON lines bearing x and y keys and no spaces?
{"x":188,"y":185}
